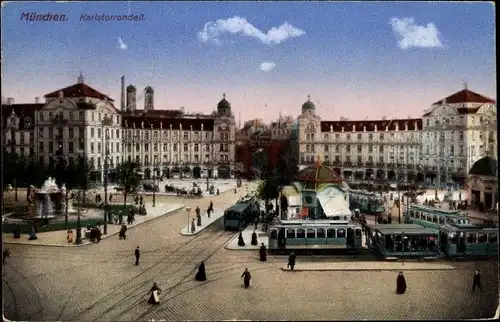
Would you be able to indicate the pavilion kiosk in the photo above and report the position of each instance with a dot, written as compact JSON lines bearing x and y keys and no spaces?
{"x":405,"y":240}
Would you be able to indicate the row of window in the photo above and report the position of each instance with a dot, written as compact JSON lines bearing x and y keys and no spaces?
{"x":74,"y":116}
{"x":461,"y":120}
{"x":359,"y":148}
{"x":58,"y":131}
{"x":347,"y":159}
{"x":475,"y":238}
{"x":316,"y":233}
{"x":438,"y":219}
{"x":326,"y":136}
{"x":110,"y":147}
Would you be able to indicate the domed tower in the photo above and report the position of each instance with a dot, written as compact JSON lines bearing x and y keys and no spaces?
{"x":131,"y":98}
{"x":308,"y":108}
{"x":148,"y":98}
{"x":224,"y":107}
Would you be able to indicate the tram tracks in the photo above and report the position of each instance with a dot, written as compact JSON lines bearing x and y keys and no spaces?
{"x":128,"y":290}
{"x":21,"y":281}
{"x":180,"y":273}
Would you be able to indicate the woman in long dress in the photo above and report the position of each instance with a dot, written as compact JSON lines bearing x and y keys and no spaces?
{"x":246,"y":278}
{"x":155,"y":290}
{"x":400,"y":283}
{"x":201,"y":275}
{"x":262,"y":253}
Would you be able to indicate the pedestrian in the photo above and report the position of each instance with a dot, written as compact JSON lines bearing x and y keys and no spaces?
{"x":193,"y":226}
{"x":123,"y":230}
{"x":110,"y":197}
{"x":246,"y":278}
{"x":211,"y":206}
{"x":120,"y":218}
{"x":69,"y":236}
{"x":208,"y":212}
{"x":198,"y":211}
{"x":201,"y":275}
{"x":263,"y":252}
{"x":141,"y":200}
{"x":400,"y":283}
{"x":477,"y":281}
{"x":137,"y":255}
{"x":155,"y":291}
{"x":291,"y":261}
{"x":5,"y":254}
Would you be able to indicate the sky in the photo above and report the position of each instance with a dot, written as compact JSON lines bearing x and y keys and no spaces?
{"x":359,"y":60}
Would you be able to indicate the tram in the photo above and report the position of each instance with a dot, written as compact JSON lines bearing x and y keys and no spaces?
{"x":404,"y":240}
{"x":239,"y":215}
{"x":434,"y":217}
{"x":463,"y":240}
{"x":320,"y":234}
{"x":366,"y":202}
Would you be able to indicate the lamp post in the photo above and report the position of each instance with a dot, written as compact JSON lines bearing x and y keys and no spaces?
{"x":155,"y":175}
{"x":83,"y":175}
{"x":188,"y":209}
{"x":106,"y":121}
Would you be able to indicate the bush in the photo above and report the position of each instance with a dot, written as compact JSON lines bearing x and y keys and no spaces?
{"x":26,"y":226}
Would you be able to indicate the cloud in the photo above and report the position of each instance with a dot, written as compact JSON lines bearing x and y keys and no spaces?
{"x":238,"y":25}
{"x":413,"y":35}
{"x":121,"y":44}
{"x":267,"y":66}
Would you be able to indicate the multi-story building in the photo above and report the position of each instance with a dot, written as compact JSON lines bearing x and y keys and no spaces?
{"x":439,"y":147}
{"x":358,"y":150}
{"x":457,"y":131}
{"x":79,"y":121}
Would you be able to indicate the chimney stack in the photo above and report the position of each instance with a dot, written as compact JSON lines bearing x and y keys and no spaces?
{"x":10,"y":100}
{"x":122,"y":106}
{"x":37,"y":100}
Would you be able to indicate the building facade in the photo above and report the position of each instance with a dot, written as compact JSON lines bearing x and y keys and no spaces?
{"x":457,"y":131}
{"x":78,"y":121}
{"x":438,"y":148}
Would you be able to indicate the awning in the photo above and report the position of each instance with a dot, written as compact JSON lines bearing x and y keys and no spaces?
{"x":333,"y":202}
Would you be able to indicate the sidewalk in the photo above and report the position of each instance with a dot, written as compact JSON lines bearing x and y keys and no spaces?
{"x":368,"y":266}
{"x":205,"y":222}
{"x":58,"y":238}
{"x":247,"y":238}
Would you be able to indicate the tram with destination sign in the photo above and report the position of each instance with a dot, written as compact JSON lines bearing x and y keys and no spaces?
{"x":366,"y":202}
{"x":315,"y":235}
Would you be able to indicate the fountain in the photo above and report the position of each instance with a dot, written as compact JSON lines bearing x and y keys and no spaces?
{"x":50,"y":200}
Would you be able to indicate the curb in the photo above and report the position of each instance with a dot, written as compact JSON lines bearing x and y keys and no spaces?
{"x":200,"y":230}
{"x":238,"y":249}
{"x":88,"y":242}
{"x":365,"y":269}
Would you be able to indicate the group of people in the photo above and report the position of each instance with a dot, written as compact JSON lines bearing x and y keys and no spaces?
{"x":194,"y":223}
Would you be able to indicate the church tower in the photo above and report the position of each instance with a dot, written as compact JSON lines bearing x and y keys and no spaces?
{"x":149,"y":98}
{"x":131,"y":98}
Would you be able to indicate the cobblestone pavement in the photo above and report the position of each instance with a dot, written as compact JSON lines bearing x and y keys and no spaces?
{"x":100,"y":283}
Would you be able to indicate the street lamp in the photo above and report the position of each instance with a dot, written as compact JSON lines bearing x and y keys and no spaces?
{"x":188,"y":209}
{"x":106,"y":121}
{"x":155,"y":174}
{"x":83,"y":174}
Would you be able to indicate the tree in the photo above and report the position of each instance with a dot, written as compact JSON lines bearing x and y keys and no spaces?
{"x":129,"y":178}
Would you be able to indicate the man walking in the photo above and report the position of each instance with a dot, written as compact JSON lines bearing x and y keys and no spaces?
{"x":137,"y":255}
{"x":477,"y":281}
{"x":291,"y":261}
